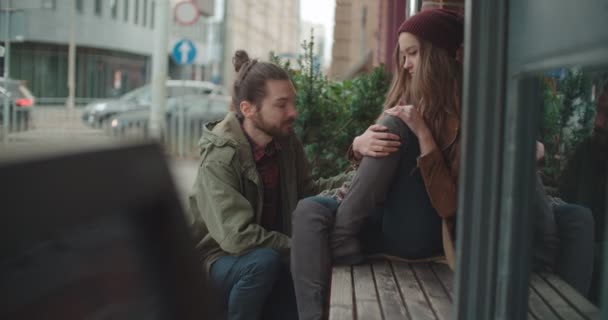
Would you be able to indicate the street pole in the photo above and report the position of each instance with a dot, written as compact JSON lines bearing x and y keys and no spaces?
{"x":413,"y":6}
{"x":159,"y":70}
{"x":72,"y":58}
{"x":7,"y":56}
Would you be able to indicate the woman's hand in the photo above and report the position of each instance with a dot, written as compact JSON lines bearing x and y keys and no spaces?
{"x":412,"y":118}
{"x":375,"y":142}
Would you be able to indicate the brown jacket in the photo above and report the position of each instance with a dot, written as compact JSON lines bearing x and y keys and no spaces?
{"x":439,"y":170}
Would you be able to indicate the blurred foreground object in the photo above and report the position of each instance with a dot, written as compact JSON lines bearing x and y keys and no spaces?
{"x":66,"y":254}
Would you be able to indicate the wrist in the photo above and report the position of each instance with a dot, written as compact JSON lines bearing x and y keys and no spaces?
{"x":424,"y":135}
{"x":355,"y":148}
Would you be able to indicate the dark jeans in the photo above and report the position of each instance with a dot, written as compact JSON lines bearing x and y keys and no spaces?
{"x":575,"y":255}
{"x":256,"y":285}
{"x":387,"y":209}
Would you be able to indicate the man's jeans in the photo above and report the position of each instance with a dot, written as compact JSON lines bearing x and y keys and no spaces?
{"x":575,"y":255}
{"x":256,"y":285}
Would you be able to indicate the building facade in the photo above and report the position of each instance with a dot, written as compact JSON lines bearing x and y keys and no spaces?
{"x":114,"y":43}
{"x":365,"y":32}
{"x":259,"y":27}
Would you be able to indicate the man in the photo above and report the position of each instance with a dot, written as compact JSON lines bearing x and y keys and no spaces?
{"x":584,"y":178}
{"x":253,"y":171}
{"x":563,"y":239}
{"x":584,"y":181}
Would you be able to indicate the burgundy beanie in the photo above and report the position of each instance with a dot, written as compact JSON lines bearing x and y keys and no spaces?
{"x":443,"y":28}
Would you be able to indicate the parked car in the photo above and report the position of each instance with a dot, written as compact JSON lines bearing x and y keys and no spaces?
{"x":193,"y":107}
{"x":97,"y":113}
{"x":195,"y":111}
{"x":21,"y":102}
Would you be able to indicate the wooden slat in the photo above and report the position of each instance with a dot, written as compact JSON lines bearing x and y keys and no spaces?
{"x":366,"y":299}
{"x":439,"y":299}
{"x":572,"y":296}
{"x":388,"y":292}
{"x":555,"y":301}
{"x":446,"y":276}
{"x":413,"y":296}
{"x":341,"y":298}
{"x":538,"y":307}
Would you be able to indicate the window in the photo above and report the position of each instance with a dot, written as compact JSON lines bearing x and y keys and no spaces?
{"x":126,"y":10}
{"x":136,"y":20}
{"x":364,"y":17}
{"x":98,"y":6}
{"x":152,"y":14}
{"x":114,"y":8}
{"x":79,"y":6}
{"x":145,"y":18}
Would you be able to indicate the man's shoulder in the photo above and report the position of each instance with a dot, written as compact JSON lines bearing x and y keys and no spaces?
{"x":220,"y":142}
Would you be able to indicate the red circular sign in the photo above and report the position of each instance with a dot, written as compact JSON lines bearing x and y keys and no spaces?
{"x":186,"y":12}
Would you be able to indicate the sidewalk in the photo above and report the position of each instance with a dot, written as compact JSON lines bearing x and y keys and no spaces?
{"x":57,"y":130}
{"x":184,"y":173}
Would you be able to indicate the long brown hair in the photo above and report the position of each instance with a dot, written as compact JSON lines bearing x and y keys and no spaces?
{"x":434,"y":89}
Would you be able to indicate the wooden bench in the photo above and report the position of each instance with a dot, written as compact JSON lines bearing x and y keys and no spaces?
{"x":385,"y":289}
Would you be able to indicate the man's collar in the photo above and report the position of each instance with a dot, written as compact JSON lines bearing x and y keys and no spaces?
{"x":260,"y":151}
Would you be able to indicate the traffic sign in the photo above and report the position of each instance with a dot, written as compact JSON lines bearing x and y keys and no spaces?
{"x":186,"y":13}
{"x":183,"y":52}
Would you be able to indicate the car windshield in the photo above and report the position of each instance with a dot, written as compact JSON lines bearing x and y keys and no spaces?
{"x":137,"y":94}
{"x":179,"y":91}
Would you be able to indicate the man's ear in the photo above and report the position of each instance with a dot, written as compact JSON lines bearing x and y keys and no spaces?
{"x":247,"y":109}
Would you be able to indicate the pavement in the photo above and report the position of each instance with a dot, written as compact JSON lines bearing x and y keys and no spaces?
{"x":58,"y":130}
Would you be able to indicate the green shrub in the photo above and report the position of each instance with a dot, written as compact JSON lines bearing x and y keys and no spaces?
{"x":566,"y":119}
{"x":332,"y":113}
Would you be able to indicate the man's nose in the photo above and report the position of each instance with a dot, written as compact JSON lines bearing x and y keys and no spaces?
{"x":293,"y":112}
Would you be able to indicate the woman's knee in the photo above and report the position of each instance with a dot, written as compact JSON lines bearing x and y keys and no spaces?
{"x":394,"y":125}
{"x":315,"y":207}
{"x":572,"y":216}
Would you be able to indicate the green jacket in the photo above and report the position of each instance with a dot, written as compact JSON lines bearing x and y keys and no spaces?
{"x":227,"y":198}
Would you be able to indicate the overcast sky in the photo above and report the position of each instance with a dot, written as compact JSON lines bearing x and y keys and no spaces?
{"x":322,"y":12}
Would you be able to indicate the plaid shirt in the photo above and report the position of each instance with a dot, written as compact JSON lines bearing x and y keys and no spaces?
{"x":267,"y":163}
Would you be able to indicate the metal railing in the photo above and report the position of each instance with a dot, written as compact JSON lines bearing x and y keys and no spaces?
{"x":184,"y":122}
{"x":17,"y":120}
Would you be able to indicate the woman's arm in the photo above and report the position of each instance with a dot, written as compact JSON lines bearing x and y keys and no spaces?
{"x":440,"y":180}
{"x":376,"y":141}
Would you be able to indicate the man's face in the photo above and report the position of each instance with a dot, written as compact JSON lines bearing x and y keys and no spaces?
{"x":600,"y":130}
{"x":277,"y":112}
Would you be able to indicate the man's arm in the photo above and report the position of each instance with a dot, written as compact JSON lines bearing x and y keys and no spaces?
{"x":228,"y":214}
{"x":307,"y":185}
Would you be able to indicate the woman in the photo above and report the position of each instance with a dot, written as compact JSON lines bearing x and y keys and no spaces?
{"x":402,"y":199}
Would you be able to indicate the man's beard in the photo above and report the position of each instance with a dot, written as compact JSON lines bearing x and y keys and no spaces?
{"x":282,"y":130}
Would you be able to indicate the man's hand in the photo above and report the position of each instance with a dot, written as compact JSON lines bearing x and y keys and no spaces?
{"x":540,"y":151}
{"x":375,"y":142}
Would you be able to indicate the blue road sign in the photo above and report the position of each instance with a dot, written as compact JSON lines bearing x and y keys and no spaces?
{"x":184,"y":52}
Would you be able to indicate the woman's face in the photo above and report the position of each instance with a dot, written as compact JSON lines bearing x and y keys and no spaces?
{"x":409,"y":49}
